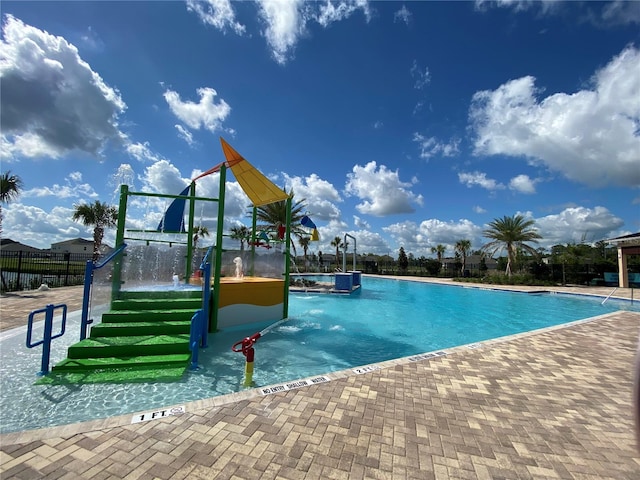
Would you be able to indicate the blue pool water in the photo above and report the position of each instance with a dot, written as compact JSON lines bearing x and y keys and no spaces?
{"x":387,"y":319}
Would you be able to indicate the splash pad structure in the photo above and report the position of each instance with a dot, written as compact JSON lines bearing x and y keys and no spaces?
{"x":162,"y":302}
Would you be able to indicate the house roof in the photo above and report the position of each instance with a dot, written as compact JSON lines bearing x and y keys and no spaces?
{"x":631,"y":239}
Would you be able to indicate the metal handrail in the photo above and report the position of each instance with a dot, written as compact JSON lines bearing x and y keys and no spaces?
{"x":47,"y":336}
{"x":88,"y":282}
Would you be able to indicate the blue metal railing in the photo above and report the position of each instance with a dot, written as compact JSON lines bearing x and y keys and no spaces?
{"x":88,"y":281}
{"x":197,"y":335}
{"x":48,"y":336}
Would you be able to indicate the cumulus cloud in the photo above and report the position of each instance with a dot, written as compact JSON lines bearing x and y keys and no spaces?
{"x":430,"y":147}
{"x":320,"y":196}
{"x":52,"y":102}
{"x":479,"y":179}
{"x":73,"y":188}
{"x":382,"y":191}
{"x":360,"y":223}
{"x":286,"y":20}
{"x":217,"y":13}
{"x":577,"y":224}
{"x":523,"y":184}
{"x":142,"y":152}
{"x":591,"y":136}
{"x":205,"y":114}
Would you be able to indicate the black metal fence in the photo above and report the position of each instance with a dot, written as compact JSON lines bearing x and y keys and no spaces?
{"x":25,"y":270}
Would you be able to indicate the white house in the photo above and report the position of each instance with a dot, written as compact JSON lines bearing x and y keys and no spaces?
{"x":77,"y":245}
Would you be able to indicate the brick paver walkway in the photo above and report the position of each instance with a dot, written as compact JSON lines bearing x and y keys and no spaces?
{"x":553,"y":404}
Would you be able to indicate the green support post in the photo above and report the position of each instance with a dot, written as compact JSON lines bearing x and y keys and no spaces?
{"x":218,"y":265}
{"x":192,"y":207}
{"x":116,"y":281}
{"x":285,"y":303}
{"x":253,"y":242}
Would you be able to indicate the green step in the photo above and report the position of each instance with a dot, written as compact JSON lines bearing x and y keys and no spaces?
{"x":156,"y":304}
{"x":133,"y":375}
{"x":166,"y":294}
{"x":140,"y":328}
{"x":124,"y":316}
{"x":129,"y":346}
{"x":140,"y":362}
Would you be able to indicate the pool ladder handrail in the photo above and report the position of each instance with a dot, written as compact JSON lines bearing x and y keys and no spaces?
{"x":88,"y":282}
{"x":47,"y":336}
{"x":609,"y":296}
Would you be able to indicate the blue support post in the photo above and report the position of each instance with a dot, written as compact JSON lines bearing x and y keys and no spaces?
{"x":195,"y":337}
{"x":88,"y":280}
{"x":47,"y":336}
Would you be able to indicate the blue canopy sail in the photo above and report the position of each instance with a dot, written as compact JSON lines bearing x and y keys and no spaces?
{"x":173,"y":219}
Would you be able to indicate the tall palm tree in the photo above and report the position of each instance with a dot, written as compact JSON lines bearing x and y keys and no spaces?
{"x":198,"y":233}
{"x":274,"y":216}
{"x":511,"y":233}
{"x":100,"y":216}
{"x":241,"y":233}
{"x":304,"y":243}
{"x":337,"y":242}
{"x":439,"y":251}
{"x":462,"y":247}
{"x":10,"y":186}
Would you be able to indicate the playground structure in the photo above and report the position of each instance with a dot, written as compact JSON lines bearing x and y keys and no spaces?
{"x":154,"y":281}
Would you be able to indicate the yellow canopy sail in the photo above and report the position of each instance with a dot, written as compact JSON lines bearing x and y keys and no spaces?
{"x":259,"y":189}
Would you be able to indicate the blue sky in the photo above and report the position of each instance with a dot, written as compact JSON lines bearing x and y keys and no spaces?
{"x":401,"y":123}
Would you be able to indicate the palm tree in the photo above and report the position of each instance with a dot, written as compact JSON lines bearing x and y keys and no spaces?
{"x":511,"y":233}
{"x":337,"y":242}
{"x":439,"y":251}
{"x":462,"y":247}
{"x":241,"y":233}
{"x":274,"y":217}
{"x":10,"y":186}
{"x":199,"y":232}
{"x":304,"y":243}
{"x":100,"y":216}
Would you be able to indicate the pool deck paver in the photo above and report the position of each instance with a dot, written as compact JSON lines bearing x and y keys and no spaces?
{"x":554,"y":403}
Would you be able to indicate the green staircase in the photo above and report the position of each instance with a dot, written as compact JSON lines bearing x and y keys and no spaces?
{"x":143,"y":337}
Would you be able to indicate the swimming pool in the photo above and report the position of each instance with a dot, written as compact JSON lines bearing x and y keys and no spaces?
{"x":387,"y":319}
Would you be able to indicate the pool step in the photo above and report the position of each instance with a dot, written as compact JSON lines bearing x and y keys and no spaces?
{"x":138,"y":362}
{"x":156,"y":304}
{"x":150,"y":315}
{"x":109,"y":329}
{"x":144,"y":337}
{"x":118,"y":375}
{"x":127,"y":346}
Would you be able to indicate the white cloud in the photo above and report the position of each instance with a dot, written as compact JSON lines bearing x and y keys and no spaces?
{"x":217,"y":13}
{"x":360,"y":223}
{"x":590,"y":136}
{"x":402,"y":15}
{"x":185,"y":134}
{"x":73,"y":188}
{"x":205,"y":114}
{"x":142,"y":152}
{"x":422,"y":78}
{"x":480,"y":179}
{"x":430,"y":147}
{"x":523,"y":184}
{"x":52,"y":102}
{"x":577,"y":224}
{"x":479,"y":209}
{"x":381,"y":190}
{"x":320,"y":196}
{"x":286,"y":20}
